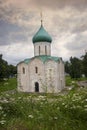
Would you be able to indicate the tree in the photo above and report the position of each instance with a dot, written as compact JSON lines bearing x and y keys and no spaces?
{"x":84,"y":61}
{"x":12,"y":70}
{"x":67,"y":67}
{"x":5,"y":69}
{"x":75,"y":67}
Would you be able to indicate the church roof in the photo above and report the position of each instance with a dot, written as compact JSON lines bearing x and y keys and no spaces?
{"x":42,"y":36}
{"x":43,"y":58}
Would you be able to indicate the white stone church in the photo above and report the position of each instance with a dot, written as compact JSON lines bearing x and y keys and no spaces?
{"x":43,"y":72}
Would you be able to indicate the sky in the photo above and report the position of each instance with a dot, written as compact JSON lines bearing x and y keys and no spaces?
{"x":64,"y":20}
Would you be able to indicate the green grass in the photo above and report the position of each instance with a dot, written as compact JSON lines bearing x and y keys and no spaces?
{"x":8,"y":84}
{"x":69,"y":81}
{"x":39,"y":112}
{"x":24,"y":111}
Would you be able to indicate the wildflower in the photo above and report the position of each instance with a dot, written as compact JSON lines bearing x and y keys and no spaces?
{"x":5,"y":101}
{"x":85,"y":105}
{"x":30,"y":116}
{"x":63,"y":103}
{"x":4,"y":115}
{"x":73,"y":82}
{"x":7,"y":95}
{"x":6,"y":83}
{"x":2,"y":122}
{"x":55,"y":118}
{"x":19,"y":98}
{"x":0,"y":107}
{"x":86,"y":100}
{"x":58,"y":108}
{"x":66,"y":106}
{"x":85,"y":109}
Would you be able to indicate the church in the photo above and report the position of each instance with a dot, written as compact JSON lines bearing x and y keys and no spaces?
{"x":42,"y":73}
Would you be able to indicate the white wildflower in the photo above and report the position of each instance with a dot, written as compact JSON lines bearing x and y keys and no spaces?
{"x":63,"y":103}
{"x":0,"y":107}
{"x":5,"y":101}
{"x":58,"y":108}
{"x":4,"y":115}
{"x":73,"y":82}
{"x":6,"y":83}
{"x":7,"y":95}
{"x":85,"y":105}
{"x":2,"y":122}
{"x":19,"y":98}
{"x":55,"y":118}
{"x":30,"y":116}
{"x":66,"y":106}
{"x":69,"y":88}
{"x":85,"y":109}
{"x":86,"y":100}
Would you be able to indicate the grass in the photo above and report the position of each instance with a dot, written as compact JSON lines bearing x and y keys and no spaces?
{"x":8,"y":84}
{"x":69,"y":81}
{"x":24,"y":111}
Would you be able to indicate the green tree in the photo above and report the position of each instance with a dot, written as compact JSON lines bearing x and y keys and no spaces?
{"x":6,"y":70}
{"x":75,"y":67}
{"x":12,"y":70}
{"x":84,"y":61}
{"x":67,"y":67}
{"x":3,"y":68}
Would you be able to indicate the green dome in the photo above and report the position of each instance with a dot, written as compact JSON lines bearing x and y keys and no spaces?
{"x":42,"y":36}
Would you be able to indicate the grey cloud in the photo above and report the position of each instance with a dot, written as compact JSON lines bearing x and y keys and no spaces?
{"x":18,"y":22}
{"x":78,"y":4}
{"x":79,"y":43}
{"x":75,"y":22}
{"x":11,"y":33}
{"x":19,"y":37}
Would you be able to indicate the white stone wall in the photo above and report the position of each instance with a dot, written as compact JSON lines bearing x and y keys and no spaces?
{"x":35,"y":77}
{"x":42,"y":48}
{"x":61,"y":75}
{"x":50,"y":76}
{"x":23,"y":79}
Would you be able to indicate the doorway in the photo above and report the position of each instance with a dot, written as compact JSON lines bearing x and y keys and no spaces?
{"x":36,"y":87}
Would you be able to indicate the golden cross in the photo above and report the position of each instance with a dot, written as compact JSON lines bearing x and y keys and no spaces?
{"x":41,"y":18}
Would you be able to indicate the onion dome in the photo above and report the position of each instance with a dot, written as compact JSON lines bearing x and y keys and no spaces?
{"x":42,"y":36}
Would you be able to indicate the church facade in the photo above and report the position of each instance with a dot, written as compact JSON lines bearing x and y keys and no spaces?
{"x":43,"y":72}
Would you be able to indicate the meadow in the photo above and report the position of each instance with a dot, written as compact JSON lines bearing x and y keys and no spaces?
{"x":26,"y":111}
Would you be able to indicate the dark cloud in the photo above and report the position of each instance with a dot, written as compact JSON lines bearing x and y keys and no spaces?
{"x":12,"y":33}
{"x":19,"y":37}
{"x":19,"y":21}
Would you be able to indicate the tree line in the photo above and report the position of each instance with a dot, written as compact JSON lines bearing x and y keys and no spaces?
{"x":76,"y":67}
{"x":6,"y":70}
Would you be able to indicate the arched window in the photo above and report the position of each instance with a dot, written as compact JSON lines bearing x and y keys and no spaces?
{"x":39,"y":50}
{"x":36,"y":69}
{"x":45,"y":50}
{"x":23,"y":70}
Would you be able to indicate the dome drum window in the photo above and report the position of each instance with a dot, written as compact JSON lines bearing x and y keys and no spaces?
{"x":23,"y":70}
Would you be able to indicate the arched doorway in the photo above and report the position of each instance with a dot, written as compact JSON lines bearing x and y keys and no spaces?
{"x":36,"y":87}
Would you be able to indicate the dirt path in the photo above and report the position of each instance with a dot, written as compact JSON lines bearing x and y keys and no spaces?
{"x":82,"y":83}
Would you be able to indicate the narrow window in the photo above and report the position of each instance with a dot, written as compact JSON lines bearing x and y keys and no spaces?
{"x":45,"y":50}
{"x":23,"y":70}
{"x":39,"y":50}
{"x":36,"y":70}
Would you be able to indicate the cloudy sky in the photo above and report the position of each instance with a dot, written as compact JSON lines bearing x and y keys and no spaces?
{"x":65,"y":21}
